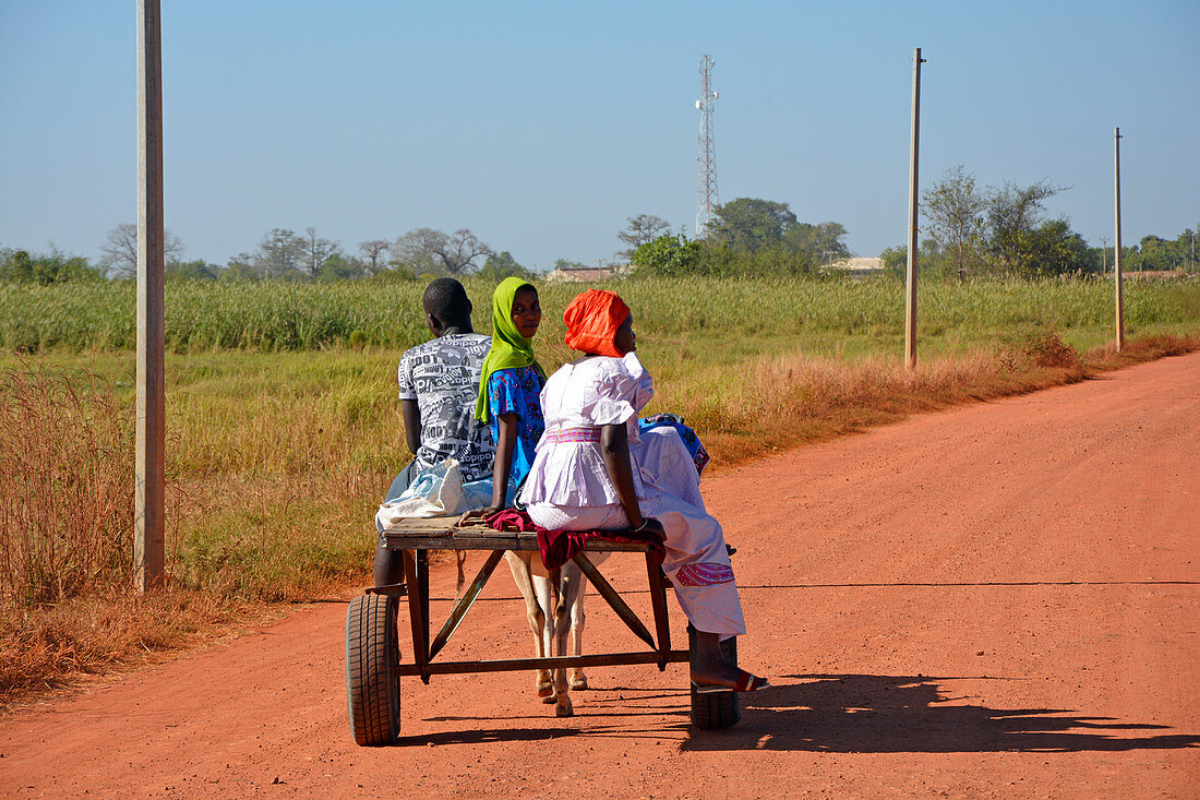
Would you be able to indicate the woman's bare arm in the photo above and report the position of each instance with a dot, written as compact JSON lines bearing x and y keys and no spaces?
{"x":614,"y":445}
{"x":502,"y":467}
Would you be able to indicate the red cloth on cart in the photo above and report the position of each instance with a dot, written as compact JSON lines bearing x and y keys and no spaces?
{"x":558,"y":547}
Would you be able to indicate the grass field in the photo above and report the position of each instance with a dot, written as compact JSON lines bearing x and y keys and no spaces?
{"x":284,"y":429}
{"x":821,"y":316}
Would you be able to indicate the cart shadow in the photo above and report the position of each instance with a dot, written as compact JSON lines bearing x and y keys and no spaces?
{"x":485,"y":736}
{"x":900,"y":714}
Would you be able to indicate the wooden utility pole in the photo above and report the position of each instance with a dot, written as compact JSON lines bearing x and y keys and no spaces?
{"x":150,"y":488}
{"x":910,"y":316}
{"x":1117,"y":254}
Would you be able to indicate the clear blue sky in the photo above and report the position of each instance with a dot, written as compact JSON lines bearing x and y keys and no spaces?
{"x":542,"y":126}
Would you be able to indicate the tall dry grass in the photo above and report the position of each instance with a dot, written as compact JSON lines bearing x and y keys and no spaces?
{"x":66,"y":486}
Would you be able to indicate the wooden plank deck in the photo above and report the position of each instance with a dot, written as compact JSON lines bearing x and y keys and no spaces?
{"x":441,"y":533}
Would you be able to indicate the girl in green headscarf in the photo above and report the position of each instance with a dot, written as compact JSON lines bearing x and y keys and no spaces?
{"x":511,"y":384}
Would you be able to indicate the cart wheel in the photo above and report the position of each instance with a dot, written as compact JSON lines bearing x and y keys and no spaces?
{"x":720,"y":710}
{"x":372,"y":683}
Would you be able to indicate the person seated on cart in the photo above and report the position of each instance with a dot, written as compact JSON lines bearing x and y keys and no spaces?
{"x":439,"y":386}
{"x":510,"y":391}
{"x":595,"y":471}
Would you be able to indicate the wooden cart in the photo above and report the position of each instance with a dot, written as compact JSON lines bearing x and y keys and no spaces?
{"x":373,"y":666}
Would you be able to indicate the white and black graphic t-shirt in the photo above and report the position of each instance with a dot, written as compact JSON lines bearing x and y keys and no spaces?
{"x":442,"y":375}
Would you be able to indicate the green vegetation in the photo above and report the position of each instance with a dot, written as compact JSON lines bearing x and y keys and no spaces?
{"x":821,"y":315}
{"x":746,"y":237}
{"x":1003,"y":232}
{"x":283,"y":427}
{"x":45,"y":269}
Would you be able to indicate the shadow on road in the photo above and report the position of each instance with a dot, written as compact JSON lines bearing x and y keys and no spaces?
{"x":898,"y":714}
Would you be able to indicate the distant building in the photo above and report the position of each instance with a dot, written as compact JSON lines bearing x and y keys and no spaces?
{"x":859,"y":267}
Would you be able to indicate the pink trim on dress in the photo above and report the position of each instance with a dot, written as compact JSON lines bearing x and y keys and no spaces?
{"x":706,"y":574}
{"x":574,"y":435}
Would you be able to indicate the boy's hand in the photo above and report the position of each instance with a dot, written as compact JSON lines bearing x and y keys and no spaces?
{"x":481,"y":513}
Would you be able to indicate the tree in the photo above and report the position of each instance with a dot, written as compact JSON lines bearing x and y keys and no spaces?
{"x":120,"y":251}
{"x":459,"y":251}
{"x":670,"y":254}
{"x":317,"y":251}
{"x":643,"y":229}
{"x":240,"y":269}
{"x":198,"y":270}
{"x":1052,"y":248}
{"x":20,"y":266}
{"x":340,"y":267}
{"x":1012,"y":213}
{"x":372,"y":252}
{"x":279,"y":253}
{"x":821,"y":242}
{"x":750,"y":224}
{"x":894,"y":260}
{"x":416,"y":250}
{"x":955,"y":211}
{"x":502,"y":265}
{"x":426,"y":250}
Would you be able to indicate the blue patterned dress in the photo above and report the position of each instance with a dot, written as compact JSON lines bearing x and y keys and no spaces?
{"x":517,"y":390}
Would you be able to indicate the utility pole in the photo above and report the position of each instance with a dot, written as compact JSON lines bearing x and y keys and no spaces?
{"x":706,"y":189}
{"x":150,"y":486}
{"x":1117,"y":255}
{"x":910,"y":317}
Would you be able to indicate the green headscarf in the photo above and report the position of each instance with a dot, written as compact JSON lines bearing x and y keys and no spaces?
{"x":509,"y":348}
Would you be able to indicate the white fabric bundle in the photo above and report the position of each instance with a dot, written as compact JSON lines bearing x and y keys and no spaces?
{"x":437,"y":492}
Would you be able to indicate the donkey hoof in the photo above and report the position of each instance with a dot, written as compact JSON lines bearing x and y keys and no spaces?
{"x":548,"y":698}
{"x":579,"y":683}
{"x":564,"y":711}
{"x":546,"y":691}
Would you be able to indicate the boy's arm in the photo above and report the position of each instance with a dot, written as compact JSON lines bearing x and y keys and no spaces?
{"x":411,"y":413}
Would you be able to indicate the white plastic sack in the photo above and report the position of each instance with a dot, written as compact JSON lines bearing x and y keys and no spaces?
{"x":437,"y":492}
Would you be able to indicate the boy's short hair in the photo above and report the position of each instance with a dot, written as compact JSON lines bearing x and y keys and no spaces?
{"x":447,"y":300}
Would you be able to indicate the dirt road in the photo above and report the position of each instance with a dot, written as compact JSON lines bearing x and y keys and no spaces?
{"x":998,"y":601}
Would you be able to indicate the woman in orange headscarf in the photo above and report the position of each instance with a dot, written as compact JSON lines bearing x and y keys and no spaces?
{"x":595,"y":471}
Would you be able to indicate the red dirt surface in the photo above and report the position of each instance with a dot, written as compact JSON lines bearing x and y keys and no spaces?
{"x":997,"y":601}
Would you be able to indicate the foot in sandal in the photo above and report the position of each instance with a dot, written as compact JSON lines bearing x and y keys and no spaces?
{"x":740,"y":681}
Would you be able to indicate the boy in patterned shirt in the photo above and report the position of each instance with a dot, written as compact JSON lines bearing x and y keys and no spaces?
{"x":439,"y":386}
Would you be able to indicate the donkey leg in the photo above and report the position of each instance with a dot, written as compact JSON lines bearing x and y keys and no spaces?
{"x":523,"y":577}
{"x":579,"y":618}
{"x":563,"y":616}
{"x":578,"y":588}
{"x":545,"y":590}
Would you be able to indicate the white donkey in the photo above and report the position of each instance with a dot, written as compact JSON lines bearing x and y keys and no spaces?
{"x":550,"y":630}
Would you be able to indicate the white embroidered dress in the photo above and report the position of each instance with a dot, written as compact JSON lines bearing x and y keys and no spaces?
{"x":568,"y":487}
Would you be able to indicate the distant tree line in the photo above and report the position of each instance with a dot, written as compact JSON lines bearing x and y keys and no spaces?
{"x":973,"y":231}
{"x":746,"y":236}
{"x":282,"y":255}
{"x":1004,"y":231}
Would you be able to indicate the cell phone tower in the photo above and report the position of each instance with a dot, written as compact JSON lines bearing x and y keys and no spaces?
{"x":706,"y":189}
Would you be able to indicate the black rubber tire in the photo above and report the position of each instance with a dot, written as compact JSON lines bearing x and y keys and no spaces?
{"x":372,"y":682}
{"x":720,"y":710}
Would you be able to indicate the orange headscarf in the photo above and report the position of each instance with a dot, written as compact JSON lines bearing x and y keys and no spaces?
{"x":592,"y":320}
